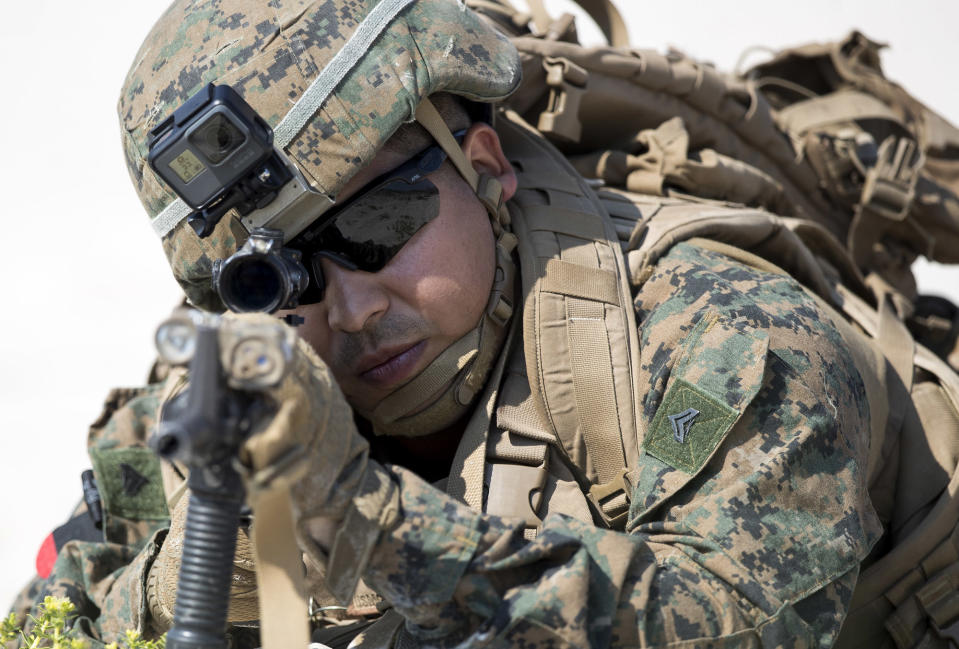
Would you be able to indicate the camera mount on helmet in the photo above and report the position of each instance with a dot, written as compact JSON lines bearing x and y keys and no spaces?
{"x":217,"y":154}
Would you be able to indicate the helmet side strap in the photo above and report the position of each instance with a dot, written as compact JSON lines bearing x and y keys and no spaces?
{"x":432,"y":121}
{"x":487,"y":188}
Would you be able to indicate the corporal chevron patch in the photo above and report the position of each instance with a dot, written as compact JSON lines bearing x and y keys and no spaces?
{"x":688,"y":427}
{"x":682,"y":422}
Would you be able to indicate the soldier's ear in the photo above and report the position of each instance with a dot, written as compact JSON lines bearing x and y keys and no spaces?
{"x":484,"y":151}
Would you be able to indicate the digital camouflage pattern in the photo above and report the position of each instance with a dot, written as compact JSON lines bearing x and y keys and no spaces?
{"x":270,"y":52}
{"x":758,"y":547}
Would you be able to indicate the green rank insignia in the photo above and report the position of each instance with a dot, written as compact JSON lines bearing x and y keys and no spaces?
{"x":688,"y":427}
{"x":130,"y":482}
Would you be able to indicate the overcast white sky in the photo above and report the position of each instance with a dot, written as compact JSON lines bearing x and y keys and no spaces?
{"x":86,"y":281}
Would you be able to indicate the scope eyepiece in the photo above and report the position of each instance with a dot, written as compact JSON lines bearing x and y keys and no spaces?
{"x":261,"y":276}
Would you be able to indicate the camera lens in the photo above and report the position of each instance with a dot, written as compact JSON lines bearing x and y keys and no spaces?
{"x":217,"y":138}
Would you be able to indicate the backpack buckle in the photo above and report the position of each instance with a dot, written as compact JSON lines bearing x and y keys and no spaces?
{"x":606,"y":499}
{"x":516,"y":491}
{"x":890,"y":185}
{"x":887,"y":195}
{"x":567,"y":84}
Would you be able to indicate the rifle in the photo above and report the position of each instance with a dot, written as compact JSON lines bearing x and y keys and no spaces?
{"x":231,"y":364}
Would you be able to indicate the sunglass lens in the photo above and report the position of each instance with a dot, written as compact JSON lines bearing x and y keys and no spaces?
{"x":373,"y":228}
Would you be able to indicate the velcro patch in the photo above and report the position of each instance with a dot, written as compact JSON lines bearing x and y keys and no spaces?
{"x":688,"y":427}
{"x":130,"y":483}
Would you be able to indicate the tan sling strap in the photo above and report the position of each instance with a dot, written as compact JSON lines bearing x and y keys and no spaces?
{"x":279,"y":571}
{"x":603,"y":12}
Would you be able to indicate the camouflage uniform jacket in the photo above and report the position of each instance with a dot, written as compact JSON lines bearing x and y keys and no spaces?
{"x":103,"y":578}
{"x":747,"y":531}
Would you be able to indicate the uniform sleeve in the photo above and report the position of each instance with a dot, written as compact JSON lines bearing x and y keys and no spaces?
{"x":105,"y":579}
{"x":752,"y":539}
{"x":107,"y":584}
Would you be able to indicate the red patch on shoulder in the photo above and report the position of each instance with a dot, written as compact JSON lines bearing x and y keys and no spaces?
{"x":46,"y":557}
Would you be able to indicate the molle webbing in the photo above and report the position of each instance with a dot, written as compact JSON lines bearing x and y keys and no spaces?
{"x":827,"y":93}
{"x":579,"y":337}
{"x":817,"y":133}
{"x":620,"y":93}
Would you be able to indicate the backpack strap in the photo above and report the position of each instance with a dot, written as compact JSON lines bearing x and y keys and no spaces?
{"x":842,"y":106}
{"x":577,"y":305}
{"x":627,"y":92}
{"x":603,"y":12}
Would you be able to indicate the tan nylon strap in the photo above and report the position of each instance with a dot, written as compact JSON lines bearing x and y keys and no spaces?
{"x":939,"y":598}
{"x":541,"y":17}
{"x":539,"y":180}
{"x":437,"y":376}
{"x":929,"y":613}
{"x":499,"y":310}
{"x":432,"y":121}
{"x":841,"y":106}
{"x":468,"y":467}
{"x":523,"y":417}
{"x":941,"y":519}
{"x":603,"y":12}
{"x":592,"y":377}
{"x":279,"y":571}
{"x":899,"y":629}
{"x":896,"y":342}
{"x":887,"y":196}
{"x":948,"y":378}
{"x":573,"y":280}
{"x":517,"y":471}
{"x":487,"y":189}
{"x":511,"y":446}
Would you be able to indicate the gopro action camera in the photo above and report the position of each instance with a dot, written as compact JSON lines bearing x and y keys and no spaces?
{"x":216,"y":153}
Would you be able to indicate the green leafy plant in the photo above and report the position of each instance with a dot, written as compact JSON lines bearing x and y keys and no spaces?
{"x":49,"y":630}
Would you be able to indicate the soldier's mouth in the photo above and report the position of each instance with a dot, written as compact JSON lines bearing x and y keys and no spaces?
{"x":390,"y":367}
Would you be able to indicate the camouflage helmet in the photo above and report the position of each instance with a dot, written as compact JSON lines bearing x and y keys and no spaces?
{"x":271,"y":52}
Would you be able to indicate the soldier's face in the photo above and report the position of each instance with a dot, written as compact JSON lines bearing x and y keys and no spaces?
{"x":378,"y":330}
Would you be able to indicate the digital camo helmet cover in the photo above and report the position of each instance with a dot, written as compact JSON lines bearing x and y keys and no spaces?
{"x":270,"y":52}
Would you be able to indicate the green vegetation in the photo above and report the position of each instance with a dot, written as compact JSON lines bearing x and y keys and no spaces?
{"x":49,"y":630}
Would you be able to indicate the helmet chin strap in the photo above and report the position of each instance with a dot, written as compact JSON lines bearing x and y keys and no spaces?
{"x":487,"y":189}
{"x":444,"y":391}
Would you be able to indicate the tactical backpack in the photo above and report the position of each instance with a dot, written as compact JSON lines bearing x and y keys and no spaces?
{"x":815,"y":164}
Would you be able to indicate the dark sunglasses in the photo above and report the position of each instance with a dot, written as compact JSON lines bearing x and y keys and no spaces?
{"x":367,"y":231}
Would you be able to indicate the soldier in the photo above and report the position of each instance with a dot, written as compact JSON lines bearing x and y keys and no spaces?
{"x":514,"y":433}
